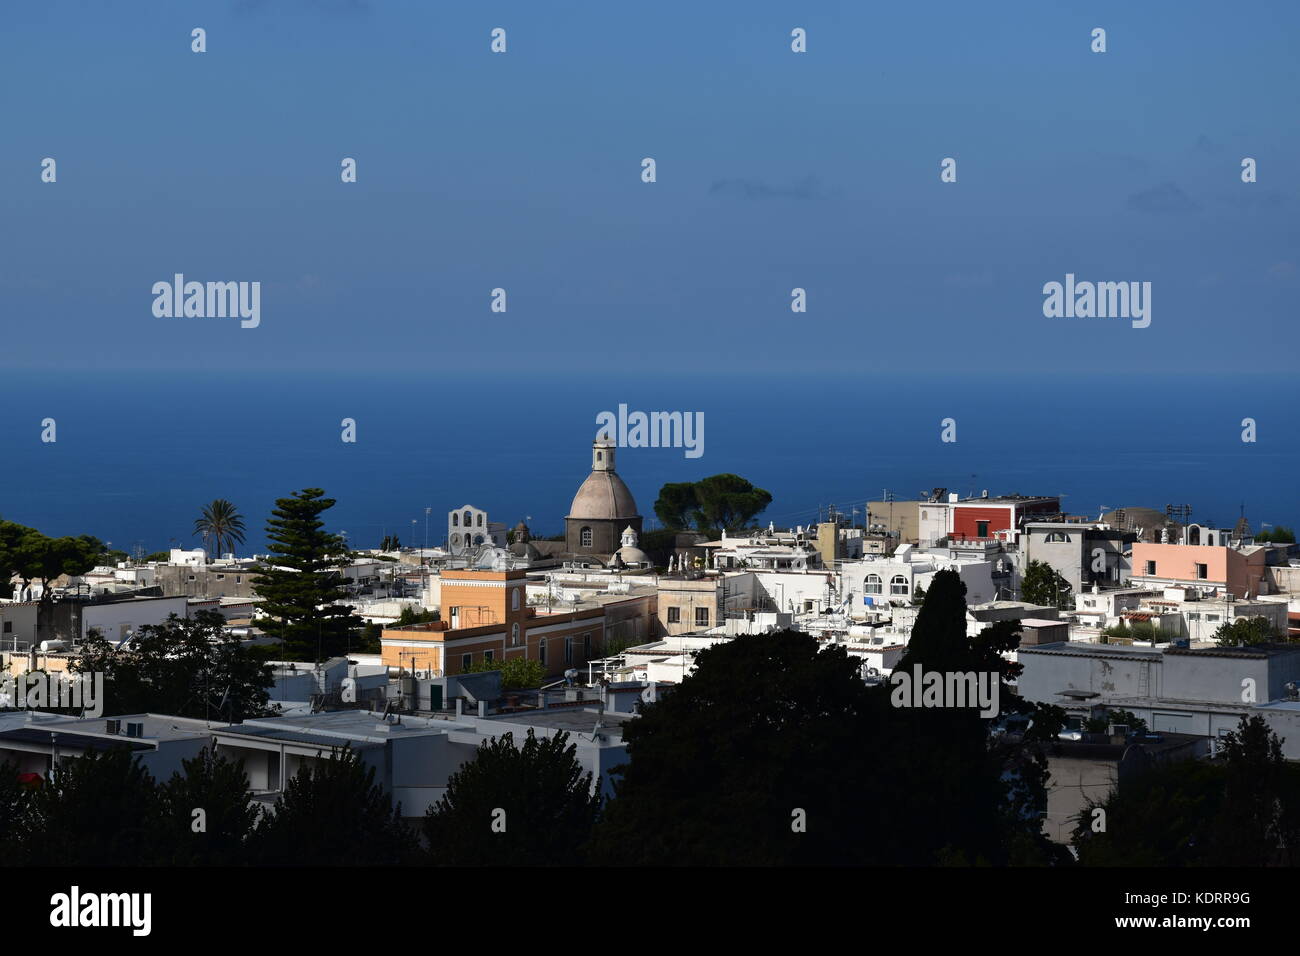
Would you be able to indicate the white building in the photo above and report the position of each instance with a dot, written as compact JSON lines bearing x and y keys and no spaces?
{"x":876,"y":582}
{"x":468,"y":528}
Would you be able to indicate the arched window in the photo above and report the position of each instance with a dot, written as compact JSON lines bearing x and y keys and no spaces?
{"x":455,"y":520}
{"x":586,"y":537}
{"x":898,"y":584}
{"x":514,"y":602}
{"x":514,"y":628}
{"x":872,"y":585}
{"x":469,"y":519}
{"x":480,"y":521}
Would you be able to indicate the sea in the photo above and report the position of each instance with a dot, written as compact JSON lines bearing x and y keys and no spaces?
{"x":137,"y":454}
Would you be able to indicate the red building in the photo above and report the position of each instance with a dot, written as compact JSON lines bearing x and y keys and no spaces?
{"x":981,"y":518}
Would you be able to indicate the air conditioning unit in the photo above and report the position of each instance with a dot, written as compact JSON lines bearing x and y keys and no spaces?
{"x":135,"y":730}
{"x":114,"y":726}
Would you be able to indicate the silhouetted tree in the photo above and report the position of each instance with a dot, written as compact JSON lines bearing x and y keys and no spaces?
{"x":100,"y":809}
{"x":332,"y":813}
{"x":189,"y":668}
{"x":765,"y":754}
{"x":525,"y":805}
{"x":216,"y":837}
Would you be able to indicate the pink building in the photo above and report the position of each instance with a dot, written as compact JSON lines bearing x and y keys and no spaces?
{"x":1238,"y":570}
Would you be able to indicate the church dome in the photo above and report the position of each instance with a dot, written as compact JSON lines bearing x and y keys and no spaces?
{"x":603,"y":497}
{"x":633,"y":556}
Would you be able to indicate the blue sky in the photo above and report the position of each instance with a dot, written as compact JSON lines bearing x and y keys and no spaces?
{"x":775,"y":170}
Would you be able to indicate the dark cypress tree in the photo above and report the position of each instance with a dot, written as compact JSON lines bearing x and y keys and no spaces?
{"x":956,"y":797}
{"x":300,"y":584}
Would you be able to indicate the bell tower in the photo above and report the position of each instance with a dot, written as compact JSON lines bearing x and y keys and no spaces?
{"x":602,"y":454}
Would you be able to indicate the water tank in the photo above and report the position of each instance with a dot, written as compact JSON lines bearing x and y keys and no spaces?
{"x":47,"y":646}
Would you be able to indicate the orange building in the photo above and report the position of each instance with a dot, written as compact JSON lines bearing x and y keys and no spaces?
{"x":486,"y":617}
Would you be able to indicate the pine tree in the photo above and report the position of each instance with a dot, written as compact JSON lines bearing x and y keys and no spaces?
{"x":300,"y":584}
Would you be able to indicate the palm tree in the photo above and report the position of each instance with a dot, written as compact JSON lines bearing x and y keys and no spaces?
{"x":222,"y":523}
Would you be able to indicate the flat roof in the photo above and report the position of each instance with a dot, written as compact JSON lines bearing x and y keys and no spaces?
{"x":35,"y":735}
{"x":1084,"y":649}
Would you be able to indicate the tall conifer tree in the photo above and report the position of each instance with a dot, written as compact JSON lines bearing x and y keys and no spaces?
{"x":300,"y":582}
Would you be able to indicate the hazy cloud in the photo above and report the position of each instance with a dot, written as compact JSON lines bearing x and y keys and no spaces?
{"x":1206,"y":145}
{"x":1163,"y":200}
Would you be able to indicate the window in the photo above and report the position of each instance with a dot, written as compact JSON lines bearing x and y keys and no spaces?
{"x":455,"y":520}
{"x":1151,"y":567}
{"x":465,"y":661}
{"x":586,"y":646}
{"x":541,"y":652}
{"x":674,"y":615}
{"x":480,"y":521}
{"x":1194,"y":616}
{"x":586,"y":537}
{"x":981,"y":529}
{"x":9,"y":627}
{"x":701,"y":617}
{"x":568,"y":650}
{"x":1202,"y":572}
{"x":469,"y":519}
{"x":1057,"y":537}
{"x":514,"y":635}
{"x":1211,"y":617}
{"x":514,"y":600}
{"x":898,"y":584}
{"x":487,"y":655}
{"x":872,"y":585}
{"x":238,"y":579}
{"x":221,"y":577}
